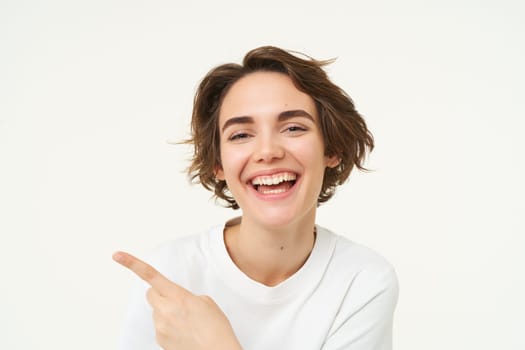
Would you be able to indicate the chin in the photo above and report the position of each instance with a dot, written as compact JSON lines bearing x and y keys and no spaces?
{"x":280,"y":217}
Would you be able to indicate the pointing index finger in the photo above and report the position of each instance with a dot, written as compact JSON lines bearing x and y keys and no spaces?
{"x":148,"y":273}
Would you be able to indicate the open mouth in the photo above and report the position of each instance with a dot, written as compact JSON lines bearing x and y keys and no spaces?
{"x":274,"y":184}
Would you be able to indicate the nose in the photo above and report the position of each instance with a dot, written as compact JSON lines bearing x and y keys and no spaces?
{"x":267,"y":149}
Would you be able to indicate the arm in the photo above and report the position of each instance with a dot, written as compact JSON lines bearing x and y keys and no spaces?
{"x":182,"y":320}
{"x":366,"y":317}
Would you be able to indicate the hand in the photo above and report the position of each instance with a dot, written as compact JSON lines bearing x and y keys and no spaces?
{"x":183,"y":321}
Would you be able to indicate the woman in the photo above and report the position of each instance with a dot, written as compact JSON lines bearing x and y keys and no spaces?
{"x":273,"y":137}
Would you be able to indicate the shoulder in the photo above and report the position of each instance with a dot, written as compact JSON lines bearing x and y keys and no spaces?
{"x":369,"y":294}
{"x":363,"y":268}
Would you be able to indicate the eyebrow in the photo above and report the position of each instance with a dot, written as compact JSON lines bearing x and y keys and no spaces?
{"x":285,"y":115}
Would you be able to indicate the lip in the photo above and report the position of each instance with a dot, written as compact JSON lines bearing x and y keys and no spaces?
{"x":273,"y":196}
{"x":270,"y":172}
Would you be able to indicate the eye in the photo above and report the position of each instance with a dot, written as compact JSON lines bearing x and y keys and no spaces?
{"x":295,"y":129}
{"x":239,"y":136}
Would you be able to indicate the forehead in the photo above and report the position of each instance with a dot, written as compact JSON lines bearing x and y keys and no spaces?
{"x":264,"y":93}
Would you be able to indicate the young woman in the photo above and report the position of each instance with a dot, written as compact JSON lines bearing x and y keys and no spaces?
{"x":273,"y":137}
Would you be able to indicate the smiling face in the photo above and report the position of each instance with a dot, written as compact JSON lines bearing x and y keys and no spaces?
{"x":272,"y":151}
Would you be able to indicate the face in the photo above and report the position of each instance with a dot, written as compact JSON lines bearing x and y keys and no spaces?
{"x":272,"y":150}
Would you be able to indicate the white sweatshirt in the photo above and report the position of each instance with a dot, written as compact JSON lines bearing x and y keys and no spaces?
{"x":343,"y":297}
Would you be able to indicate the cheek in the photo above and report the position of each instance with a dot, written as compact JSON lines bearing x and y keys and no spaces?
{"x":232,"y":159}
{"x":310,"y":152}
{"x":312,"y":157}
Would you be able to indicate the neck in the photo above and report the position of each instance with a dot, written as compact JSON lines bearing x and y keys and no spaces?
{"x":269,"y":255}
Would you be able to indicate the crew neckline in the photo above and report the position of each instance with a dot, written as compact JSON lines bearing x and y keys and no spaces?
{"x":303,"y":280}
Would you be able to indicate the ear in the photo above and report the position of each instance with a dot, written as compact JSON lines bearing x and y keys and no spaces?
{"x":219,"y":173}
{"x":332,"y":161}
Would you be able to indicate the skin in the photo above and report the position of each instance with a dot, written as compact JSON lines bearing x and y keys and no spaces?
{"x":267,"y":126}
{"x":266,"y":142}
{"x":182,"y":320}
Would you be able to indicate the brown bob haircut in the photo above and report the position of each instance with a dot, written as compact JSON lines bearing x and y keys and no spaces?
{"x":344,"y":131}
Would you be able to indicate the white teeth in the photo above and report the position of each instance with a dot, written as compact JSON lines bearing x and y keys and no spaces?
{"x":274,"y":179}
{"x":273,"y":191}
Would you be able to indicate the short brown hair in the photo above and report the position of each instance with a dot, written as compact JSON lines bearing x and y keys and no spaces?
{"x":344,"y":131}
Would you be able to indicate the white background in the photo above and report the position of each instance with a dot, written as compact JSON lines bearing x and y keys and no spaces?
{"x":90,"y":91}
